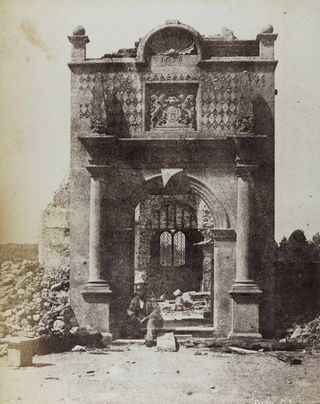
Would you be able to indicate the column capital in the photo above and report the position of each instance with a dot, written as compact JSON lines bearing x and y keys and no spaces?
{"x":223,"y":234}
{"x":98,"y":172}
{"x":244,"y":170}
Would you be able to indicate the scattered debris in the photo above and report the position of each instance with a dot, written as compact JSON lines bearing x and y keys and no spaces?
{"x":34,"y":302}
{"x":177,"y":293}
{"x":98,"y":352}
{"x":308,"y":334}
{"x":291,"y":360}
{"x":182,"y":305}
{"x":89,"y":372}
{"x":52,"y":378}
{"x":78,"y":348}
{"x":87,"y":336}
{"x":265,"y":345}
{"x":242,"y":351}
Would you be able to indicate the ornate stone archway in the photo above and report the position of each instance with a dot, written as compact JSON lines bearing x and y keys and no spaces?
{"x":151,"y":107}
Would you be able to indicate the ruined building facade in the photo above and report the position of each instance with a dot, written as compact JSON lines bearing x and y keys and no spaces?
{"x":172,"y":176}
{"x":54,"y":234}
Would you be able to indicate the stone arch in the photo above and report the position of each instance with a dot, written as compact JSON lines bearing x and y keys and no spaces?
{"x":143,"y":44}
{"x":216,"y":208}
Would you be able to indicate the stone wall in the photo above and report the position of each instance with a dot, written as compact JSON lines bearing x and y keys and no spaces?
{"x":55,"y":230}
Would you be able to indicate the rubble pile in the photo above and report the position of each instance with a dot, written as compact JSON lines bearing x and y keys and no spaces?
{"x":34,"y":302}
{"x":308,"y":333}
{"x":191,"y":303}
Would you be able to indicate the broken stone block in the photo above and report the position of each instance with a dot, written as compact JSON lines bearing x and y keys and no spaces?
{"x":167,"y":343}
{"x":177,"y":292}
{"x":20,"y":350}
{"x":297,"y":333}
{"x":78,"y":348}
{"x":58,"y":325}
{"x":87,"y":336}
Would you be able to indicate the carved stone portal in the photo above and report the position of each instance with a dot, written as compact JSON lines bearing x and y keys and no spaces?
{"x":173,"y":106}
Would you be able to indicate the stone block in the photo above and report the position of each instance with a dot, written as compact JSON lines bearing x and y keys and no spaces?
{"x":21,"y":350}
{"x":167,"y":343}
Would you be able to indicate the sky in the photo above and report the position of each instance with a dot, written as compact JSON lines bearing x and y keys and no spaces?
{"x":35,"y":93}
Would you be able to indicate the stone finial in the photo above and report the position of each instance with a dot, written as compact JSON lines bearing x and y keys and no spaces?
{"x":266,"y":39}
{"x":79,"y":30}
{"x":79,"y":41}
{"x":173,"y":22}
{"x":268,"y":29}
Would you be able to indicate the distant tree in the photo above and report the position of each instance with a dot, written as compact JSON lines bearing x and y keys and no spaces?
{"x":298,"y":238}
{"x":315,"y":247}
{"x":295,"y":278}
{"x":316,"y":239}
{"x":283,"y":243}
{"x":298,"y":246}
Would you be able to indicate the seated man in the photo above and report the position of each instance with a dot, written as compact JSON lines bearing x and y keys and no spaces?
{"x":143,"y":313}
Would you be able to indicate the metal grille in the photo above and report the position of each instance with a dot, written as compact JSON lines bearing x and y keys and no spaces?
{"x":179,"y":248}
{"x":166,"y":249}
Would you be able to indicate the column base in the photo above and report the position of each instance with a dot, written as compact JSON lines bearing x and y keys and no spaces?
{"x":245,"y":310}
{"x":254,"y":335}
{"x":96,"y":289}
{"x":97,"y":299}
{"x":245,"y":287}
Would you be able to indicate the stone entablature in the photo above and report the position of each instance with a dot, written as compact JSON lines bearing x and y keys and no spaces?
{"x":171,"y":88}
{"x":122,"y":110}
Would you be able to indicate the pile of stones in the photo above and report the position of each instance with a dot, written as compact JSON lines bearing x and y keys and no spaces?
{"x":308,"y":333}
{"x":32,"y":301}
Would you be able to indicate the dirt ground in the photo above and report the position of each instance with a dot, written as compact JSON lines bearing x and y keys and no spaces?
{"x":137,"y":374}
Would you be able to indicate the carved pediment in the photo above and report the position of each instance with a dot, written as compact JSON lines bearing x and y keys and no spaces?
{"x":172,"y":41}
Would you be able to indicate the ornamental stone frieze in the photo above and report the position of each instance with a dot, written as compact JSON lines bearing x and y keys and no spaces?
{"x":118,"y":99}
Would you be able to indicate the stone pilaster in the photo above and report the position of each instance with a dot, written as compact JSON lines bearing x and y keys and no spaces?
{"x":97,"y":293}
{"x":224,"y":272}
{"x":245,"y":292}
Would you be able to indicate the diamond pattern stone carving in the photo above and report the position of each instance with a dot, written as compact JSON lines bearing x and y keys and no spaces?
{"x":219,"y":97}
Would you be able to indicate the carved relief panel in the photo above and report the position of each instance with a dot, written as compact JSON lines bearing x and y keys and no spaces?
{"x":171,"y":106}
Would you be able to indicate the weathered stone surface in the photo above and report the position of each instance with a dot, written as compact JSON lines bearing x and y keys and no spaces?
{"x":55,"y":230}
{"x":29,"y":306}
{"x":87,"y":336}
{"x":143,"y":124}
{"x":167,"y":343}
